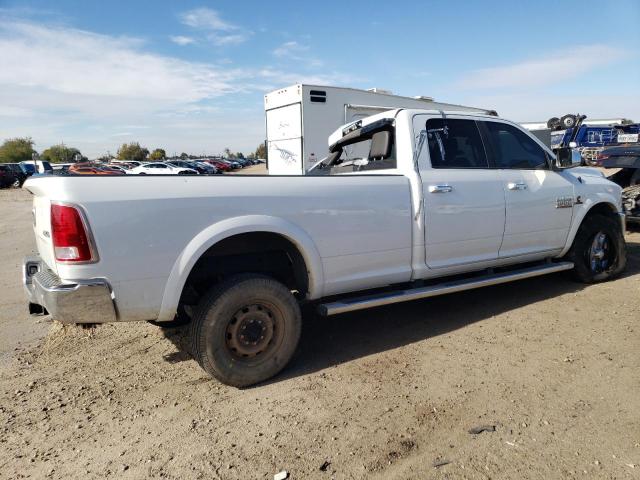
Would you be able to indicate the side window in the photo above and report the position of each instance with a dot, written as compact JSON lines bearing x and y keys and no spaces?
{"x":355,"y":158}
{"x":512,"y":148}
{"x":455,"y":143}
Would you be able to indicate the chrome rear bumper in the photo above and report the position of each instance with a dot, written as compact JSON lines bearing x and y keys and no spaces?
{"x":77,"y":301}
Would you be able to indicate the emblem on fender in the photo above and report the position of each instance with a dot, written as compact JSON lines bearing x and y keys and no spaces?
{"x":564,"y":202}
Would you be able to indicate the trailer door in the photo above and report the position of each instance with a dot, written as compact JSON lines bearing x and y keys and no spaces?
{"x":284,"y":140}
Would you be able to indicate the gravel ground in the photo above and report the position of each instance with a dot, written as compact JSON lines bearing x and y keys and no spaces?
{"x":551,"y":367}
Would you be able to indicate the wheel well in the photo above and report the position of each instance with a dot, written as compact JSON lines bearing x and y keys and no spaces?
{"x":604,"y":208}
{"x":267,"y":253}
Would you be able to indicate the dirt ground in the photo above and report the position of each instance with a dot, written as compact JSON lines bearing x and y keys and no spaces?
{"x":552,"y":365}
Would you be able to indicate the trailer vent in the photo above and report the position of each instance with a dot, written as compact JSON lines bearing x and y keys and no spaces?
{"x":319,"y":96}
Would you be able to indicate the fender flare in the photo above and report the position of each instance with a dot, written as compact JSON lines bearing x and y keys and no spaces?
{"x":580,"y":214}
{"x":227,"y":228}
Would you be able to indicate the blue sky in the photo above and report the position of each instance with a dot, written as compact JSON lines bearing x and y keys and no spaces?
{"x":190,"y":76}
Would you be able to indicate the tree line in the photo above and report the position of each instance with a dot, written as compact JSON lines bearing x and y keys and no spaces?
{"x":16,"y":150}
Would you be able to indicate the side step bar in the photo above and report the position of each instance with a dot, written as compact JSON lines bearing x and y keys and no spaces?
{"x":397,"y":296}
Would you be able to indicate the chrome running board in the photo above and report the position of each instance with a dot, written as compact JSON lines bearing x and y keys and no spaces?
{"x":397,"y":296}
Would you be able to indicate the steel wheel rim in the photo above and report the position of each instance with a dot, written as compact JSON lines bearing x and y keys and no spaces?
{"x":253,"y":331}
{"x":600,"y":253}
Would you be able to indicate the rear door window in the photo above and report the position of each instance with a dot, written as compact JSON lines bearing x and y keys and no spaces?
{"x":455,"y":143}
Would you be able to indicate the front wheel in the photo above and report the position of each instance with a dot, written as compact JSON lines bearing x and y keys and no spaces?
{"x":246,"y":329}
{"x":599,"y":250}
{"x":16,"y":183}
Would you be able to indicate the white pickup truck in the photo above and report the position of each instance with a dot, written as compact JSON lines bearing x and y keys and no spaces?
{"x":409,"y":204}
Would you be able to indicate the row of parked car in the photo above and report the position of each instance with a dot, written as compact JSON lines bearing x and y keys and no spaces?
{"x":14,"y":174}
{"x":170,"y":167}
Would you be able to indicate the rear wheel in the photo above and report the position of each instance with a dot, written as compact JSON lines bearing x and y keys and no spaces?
{"x":635,"y":178}
{"x":246,"y":329}
{"x":553,"y":123}
{"x":599,"y":250}
{"x":16,"y":183}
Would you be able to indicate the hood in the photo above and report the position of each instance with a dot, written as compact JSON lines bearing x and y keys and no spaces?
{"x":585,"y":172}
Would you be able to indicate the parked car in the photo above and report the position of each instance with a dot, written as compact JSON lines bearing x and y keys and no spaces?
{"x":231,"y":163}
{"x":244,"y":162}
{"x":126,"y":163}
{"x":188,"y":164}
{"x":457,"y":199}
{"x":209,"y":168}
{"x":37,"y":166}
{"x":221,"y":166}
{"x":7,"y":177}
{"x":19,"y":172}
{"x":119,"y":167}
{"x":160,"y":168}
{"x":89,"y":168}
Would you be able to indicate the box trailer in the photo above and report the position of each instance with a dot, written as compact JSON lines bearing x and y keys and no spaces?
{"x":300,"y":118}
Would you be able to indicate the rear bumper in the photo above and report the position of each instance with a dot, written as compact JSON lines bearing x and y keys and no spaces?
{"x":77,"y":301}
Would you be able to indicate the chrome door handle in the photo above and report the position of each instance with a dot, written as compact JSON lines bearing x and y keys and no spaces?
{"x":517,"y":186}
{"x":440,"y":188}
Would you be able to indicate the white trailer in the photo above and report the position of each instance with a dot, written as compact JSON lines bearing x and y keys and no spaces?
{"x":300,"y":118}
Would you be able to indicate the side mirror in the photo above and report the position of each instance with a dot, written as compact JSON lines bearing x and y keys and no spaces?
{"x":567,"y":157}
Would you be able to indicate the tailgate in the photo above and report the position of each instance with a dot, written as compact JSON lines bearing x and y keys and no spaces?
{"x":42,"y":229}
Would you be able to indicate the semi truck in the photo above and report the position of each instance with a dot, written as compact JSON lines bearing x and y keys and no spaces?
{"x":300,"y":118}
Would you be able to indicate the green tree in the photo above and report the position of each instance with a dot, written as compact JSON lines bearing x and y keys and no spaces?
{"x":261,"y":151}
{"x":158,"y":154}
{"x":239,"y":155}
{"x":62,"y":154}
{"x":107,"y":157}
{"x":132,"y":151}
{"x":16,"y":150}
{"x":184,"y":156}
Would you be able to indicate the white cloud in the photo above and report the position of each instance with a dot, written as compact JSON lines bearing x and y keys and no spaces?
{"x":182,"y":40}
{"x":65,"y":61}
{"x":219,"y":31}
{"x":206,"y":18}
{"x":232,"y":39}
{"x":295,"y":51}
{"x":524,"y":107}
{"x":289,"y":49}
{"x":558,"y":66}
{"x":90,"y":89}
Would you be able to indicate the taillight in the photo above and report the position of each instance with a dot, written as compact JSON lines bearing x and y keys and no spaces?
{"x":69,"y":234}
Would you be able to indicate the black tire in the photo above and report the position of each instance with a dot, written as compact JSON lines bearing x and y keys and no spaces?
{"x":635,"y":178}
{"x":595,"y":260}
{"x":246,"y":329}
{"x":553,"y":123}
{"x":16,"y":183}
{"x":568,"y":121}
